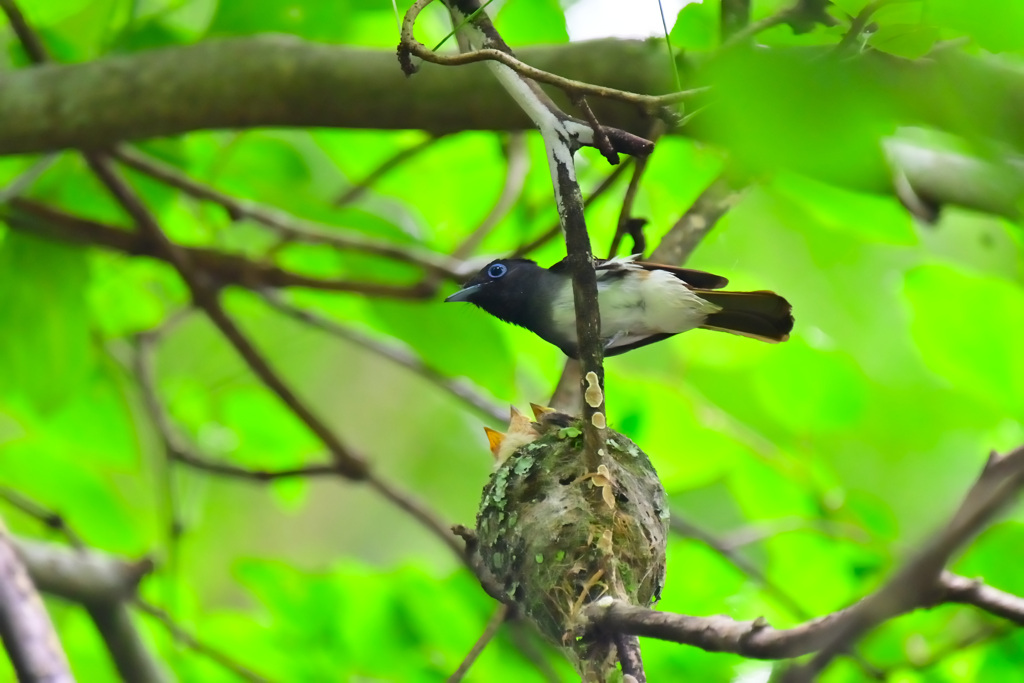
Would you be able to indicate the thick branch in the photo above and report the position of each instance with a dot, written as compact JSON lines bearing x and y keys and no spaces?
{"x":920,"y":583}
{"x":25,"y":627}
{"x":81,"y":576}
{"x":1000,"y":481}
{"x":284,"y":81}
{"x":279,"y":81}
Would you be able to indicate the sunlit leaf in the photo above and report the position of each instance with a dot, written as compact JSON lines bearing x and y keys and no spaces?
{"x":528,"y":22}
{"x":45,"y":351}
{"x":950,"y":311}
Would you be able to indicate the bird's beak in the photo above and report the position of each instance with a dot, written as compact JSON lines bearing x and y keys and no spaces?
{"x":464,"y":294}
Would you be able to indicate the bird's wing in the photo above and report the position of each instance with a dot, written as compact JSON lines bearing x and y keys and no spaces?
{"x":694,"y":278}
{"x":607,"y":268}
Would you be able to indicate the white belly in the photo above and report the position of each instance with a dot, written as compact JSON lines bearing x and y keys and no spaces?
{"x":634,"y":308}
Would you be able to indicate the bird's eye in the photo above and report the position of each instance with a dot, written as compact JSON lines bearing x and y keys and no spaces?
{"x":496,"y":270}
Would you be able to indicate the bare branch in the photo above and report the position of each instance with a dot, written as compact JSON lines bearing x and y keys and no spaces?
{"x":562,"y":136}
{"x":196,"y":645}
{"x":221,"y":268}
{"x":554,"y":230}
{"x":683,"y":237}
{"x":179,"y":451}
{"x":357,"y":190}
{"x":516,"y":169}
{"x":400,"y":356}
{"x":289,"y":227}
{"x":685,"y":527}
{"x":25,"y":627}
{"x":48,"y":517}
{"x":490,"y":630}
{"x":920,"y":583}
{"x":1000,"y":481}
{"x":134,"y":662}
{"x":735,"y":16}
{"x":23,"y":182}
{"x":954,"y":588}
{"x":409,"y":45}
{"x":80,"y":575}
{"x":349,"y":463}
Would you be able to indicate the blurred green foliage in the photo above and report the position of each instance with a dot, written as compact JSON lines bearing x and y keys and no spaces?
{"x":835,"y":452}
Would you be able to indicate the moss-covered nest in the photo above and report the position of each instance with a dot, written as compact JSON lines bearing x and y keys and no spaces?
{"x":557,"y":536}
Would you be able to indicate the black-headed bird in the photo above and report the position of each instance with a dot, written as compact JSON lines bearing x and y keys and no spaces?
{"x":641,"y":303}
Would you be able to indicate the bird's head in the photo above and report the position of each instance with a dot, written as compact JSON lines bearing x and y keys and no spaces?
{"x":501,"y":286}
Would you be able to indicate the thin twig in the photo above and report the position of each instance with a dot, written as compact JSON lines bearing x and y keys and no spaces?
{"x":920,"y":583}
{"x":561,"y":138}
{"x":516,"y":169}
{"x":221,"y":267}
{"x":289,"y":227}
{"x":556,"y":228}
{"x":490,"y":630}
{"x":23,"y":182}
{"x":400,"y":356}
{"x":999,"y":483}
{"x":648,"y":103}
{"x":524,"y":637}
{"x":735,"y":16}
{"x":626,"y":212}
{"x":190,"y":641}
{"x":349,"y":463}
{"x":747,"y":32}
{"x":356,"y":190}
{"x":684,"y":236}
{"x":29,"y":39}
{"x":48,"y":517}
{"x":860,"y":22}
{"x":419,"y":511}
{"x":685,"y":527}
{"x":176,"y":447}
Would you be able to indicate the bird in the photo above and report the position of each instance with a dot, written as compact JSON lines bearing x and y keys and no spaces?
{"x":640,"y":302}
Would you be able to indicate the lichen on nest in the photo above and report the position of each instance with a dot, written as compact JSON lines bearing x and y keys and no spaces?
{"x":557,"y":537}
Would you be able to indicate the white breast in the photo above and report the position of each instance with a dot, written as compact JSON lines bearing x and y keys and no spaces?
{"x":633,"y":308}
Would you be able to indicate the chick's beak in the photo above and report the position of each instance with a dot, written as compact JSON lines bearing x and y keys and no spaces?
{"x":464,"y":294}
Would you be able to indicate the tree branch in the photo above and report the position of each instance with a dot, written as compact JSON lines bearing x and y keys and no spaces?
{"x":196,"y":645}
{"x":1000,"y":481}
{"x":460,"y":389}
{"x":490,"y":630}
{"x":287,"y":226}
{"x":25,"y":627}
{"x":920,"y":583}
{"x":222,"y":268}
{"x":562,"y":136}
{"x":278,"y":81}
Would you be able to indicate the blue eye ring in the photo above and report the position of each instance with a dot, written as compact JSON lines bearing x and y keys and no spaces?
{"x":496,"y":270}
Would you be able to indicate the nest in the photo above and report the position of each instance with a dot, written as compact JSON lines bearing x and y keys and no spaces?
{"x":558,"y":537}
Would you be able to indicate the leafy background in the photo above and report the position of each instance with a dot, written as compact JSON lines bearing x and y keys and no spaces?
{"x":824,"y":460}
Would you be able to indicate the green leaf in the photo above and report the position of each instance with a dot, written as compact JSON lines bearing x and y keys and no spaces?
{"x":954,"y":317}
{"x":312,"y":19}
{"x":994,"y":24}
{"x":905,"y":40}
{"x":811,"y":391}
{"x":531,"y":22}
{"x":696,"y":27}
{"x":45,"y":350}
{"x":456,"y":339}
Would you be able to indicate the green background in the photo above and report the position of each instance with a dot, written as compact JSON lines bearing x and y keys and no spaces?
{"x":825,"y":460}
